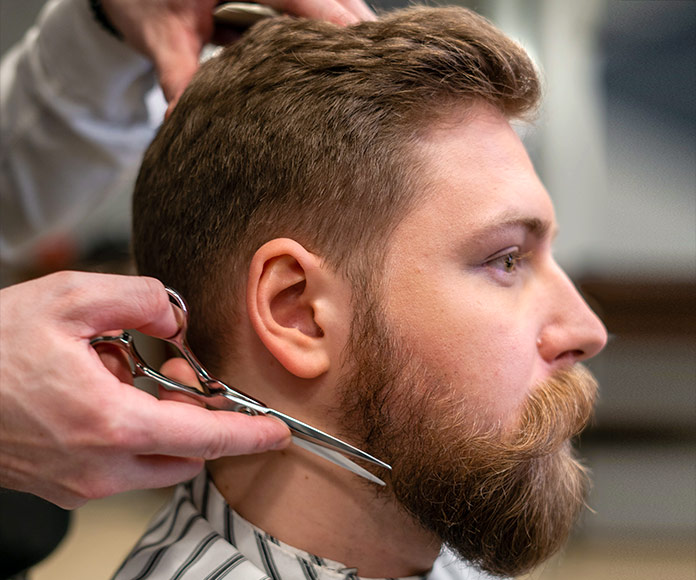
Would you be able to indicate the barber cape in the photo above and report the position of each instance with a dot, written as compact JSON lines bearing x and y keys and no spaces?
{"x":197,"y":536}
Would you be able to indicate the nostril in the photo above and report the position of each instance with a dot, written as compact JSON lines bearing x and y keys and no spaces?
{"x":572,"y":355}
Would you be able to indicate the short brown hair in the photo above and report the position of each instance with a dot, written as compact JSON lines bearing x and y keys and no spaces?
{"x":307,"y":130}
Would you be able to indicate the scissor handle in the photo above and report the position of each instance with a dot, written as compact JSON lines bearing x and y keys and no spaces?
{"x":139,"y":368}
{"x":209,"y":383}
{"x":210,"y":394}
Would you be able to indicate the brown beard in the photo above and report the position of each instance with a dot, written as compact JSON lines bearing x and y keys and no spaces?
{"x":504,"y":499}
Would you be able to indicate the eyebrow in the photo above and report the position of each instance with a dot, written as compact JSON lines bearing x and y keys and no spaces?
{"x":537,"y":227}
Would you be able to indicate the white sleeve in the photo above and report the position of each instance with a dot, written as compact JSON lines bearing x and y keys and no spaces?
{"x":449,"y":567}
{"x":73,"y":123}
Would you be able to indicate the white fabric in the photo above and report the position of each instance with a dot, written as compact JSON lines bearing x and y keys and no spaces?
{"x":73,"y":124}
{"x":197,"y":536}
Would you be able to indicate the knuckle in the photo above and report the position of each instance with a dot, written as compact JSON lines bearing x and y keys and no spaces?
{"x":99,"y":488}
{"x":217,"y":447}
{"x":69,"y":293}
{"x":64,"y":279}
{"x":120,"y":434}
{"x":88,"y":484}
{"x":223,"y":440}
{"x":67,"y":284}
{"x":246,"y":437}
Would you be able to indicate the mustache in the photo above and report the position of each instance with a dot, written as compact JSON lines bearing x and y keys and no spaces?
{"x":556,"y":410}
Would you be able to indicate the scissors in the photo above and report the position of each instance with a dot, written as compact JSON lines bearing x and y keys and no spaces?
{"x":219,"y":395}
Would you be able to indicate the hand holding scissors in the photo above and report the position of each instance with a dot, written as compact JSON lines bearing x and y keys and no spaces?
{"x":219,"y":395}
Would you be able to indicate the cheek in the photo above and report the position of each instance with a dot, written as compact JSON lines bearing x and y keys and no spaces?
{"x":491,"y":364}
{"x":504,"y":364}
{"x":493,"y":367}
{"x":480,"y":341}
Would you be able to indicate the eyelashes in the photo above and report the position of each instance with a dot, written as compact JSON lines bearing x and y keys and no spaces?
{"x":507,"y":261}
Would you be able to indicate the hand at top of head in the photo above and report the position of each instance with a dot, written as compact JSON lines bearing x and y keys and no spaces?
{"x":173,"y":32}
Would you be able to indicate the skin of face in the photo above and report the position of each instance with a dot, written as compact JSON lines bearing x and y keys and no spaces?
{"x":469,"y":283}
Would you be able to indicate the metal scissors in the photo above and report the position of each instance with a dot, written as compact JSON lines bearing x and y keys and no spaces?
{"x":218,"y":395}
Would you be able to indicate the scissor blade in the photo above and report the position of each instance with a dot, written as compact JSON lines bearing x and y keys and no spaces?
{"x":337,"y":458}
{"x":312,"y":439}
{"x":319,"y":438}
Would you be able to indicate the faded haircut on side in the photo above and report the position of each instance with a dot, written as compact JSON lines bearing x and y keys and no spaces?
{"x":307,"y":130}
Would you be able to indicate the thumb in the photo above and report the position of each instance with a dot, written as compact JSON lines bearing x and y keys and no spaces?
{"x":176,"y":61}
{"x":180,"y":371}
{"x":226,"y":432}
{"x":183,"y":430}
{"x":174,"y":73}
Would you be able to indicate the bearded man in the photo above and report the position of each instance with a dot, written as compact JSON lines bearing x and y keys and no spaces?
{"x":364,"y":245}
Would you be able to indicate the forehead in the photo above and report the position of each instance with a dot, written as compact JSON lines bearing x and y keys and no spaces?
{"x":475,"y":173}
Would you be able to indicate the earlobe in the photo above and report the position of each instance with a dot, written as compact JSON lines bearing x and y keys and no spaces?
{"x":284,"y":291}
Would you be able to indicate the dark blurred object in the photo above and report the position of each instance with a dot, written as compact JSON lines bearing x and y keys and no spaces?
{"x":61,"y":252}
{"x":642,"y":307}
{"x":109,"y":255}
{"x":648,"y":370}
{"x":30,"y":529}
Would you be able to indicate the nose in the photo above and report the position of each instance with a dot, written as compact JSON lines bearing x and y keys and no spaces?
{"x":572,"y":332}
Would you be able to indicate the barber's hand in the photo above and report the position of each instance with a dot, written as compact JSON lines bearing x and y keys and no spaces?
{"x":69,"y":429}
{"x":172,"y":32}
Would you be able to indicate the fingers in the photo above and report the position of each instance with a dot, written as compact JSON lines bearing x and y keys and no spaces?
{"x":74,"y":431}
{"x":180,"y":371}
{"x":341,"y":12}
{"x":171,"y":34}
{"x":360,"y":9}
{"x":174,"y":78}
{"x":180,"y":425}
{"x":94,"y":303}
{"x":181,"y":430}
{"x":175,"y":40}
{"x":116,"y":362}
{"x":176,"y":63}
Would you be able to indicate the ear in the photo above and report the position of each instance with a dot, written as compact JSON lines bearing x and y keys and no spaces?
{"x":289,"y":301}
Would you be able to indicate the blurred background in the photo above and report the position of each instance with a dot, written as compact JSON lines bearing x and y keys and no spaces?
{"x":615,"y":144}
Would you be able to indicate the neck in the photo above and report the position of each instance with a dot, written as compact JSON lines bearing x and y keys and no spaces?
{"x":317,"y":507}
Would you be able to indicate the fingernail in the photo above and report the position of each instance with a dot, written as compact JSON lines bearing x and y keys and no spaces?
{"x":180,"y":317}
{"x":281,"y":443}
{"x":285,"y":441}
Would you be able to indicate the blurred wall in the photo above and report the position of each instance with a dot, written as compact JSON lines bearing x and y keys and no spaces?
{"x":15,"y":17}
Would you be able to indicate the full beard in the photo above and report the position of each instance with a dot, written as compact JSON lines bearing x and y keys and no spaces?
{"x":503,"y":497}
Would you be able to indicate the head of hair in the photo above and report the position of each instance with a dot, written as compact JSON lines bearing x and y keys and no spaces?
{"x":307,"y":130}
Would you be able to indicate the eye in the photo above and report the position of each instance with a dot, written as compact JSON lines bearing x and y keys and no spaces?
{"x":507,"y":261}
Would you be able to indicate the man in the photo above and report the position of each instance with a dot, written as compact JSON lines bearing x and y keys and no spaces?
{"x":365,"y":246}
